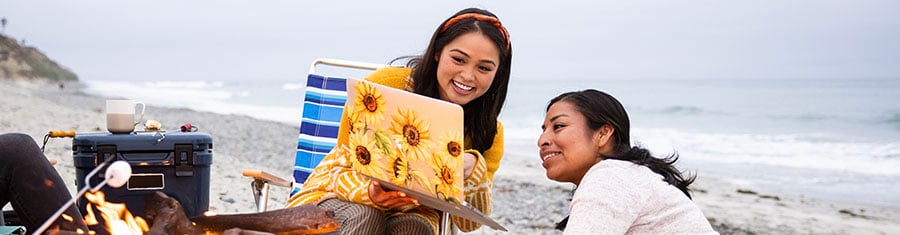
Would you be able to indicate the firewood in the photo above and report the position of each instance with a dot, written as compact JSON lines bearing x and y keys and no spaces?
{"x":166,"y":216}
{"x":305,"y":219}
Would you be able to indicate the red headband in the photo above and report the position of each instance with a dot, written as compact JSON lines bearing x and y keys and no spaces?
{"x":479,"y":17}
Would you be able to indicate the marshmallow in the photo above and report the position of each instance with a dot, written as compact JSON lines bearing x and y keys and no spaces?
{"x":118,"y":174}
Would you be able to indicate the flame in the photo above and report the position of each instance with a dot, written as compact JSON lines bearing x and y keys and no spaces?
{"x":118,"y":219}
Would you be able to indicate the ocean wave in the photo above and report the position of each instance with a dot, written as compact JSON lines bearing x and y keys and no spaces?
{"x":293,"y":86}
{"x":200,"y":96}
{"x":694,"y":111}
{"x":806,"y":117}
{"x":685,"y":110}
{"x":185,"y":84}
{"x":688,"y":110}
{"x":164,"y":93}
{"x":892,"y":119}
{"x":813,"y":151}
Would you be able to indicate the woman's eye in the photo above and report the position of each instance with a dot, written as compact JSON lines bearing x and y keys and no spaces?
{"x":458,"y":60}
{"x":558,"y":126}
{"x":485,"y":68}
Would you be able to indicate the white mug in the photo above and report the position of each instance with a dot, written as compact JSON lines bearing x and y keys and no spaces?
{"x":120,"y":115}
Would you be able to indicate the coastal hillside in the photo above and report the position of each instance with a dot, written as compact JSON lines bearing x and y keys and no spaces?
{"x":28,"y":63}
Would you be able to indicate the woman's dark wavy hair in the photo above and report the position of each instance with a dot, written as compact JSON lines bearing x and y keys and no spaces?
{"x":599,"y":109}
{"x":481,"y":113}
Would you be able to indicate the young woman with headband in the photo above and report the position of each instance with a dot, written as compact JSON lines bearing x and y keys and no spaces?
{"x":467,"y":62}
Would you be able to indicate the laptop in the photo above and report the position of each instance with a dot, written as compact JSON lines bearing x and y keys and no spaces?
{"x":407,"y":139}
{"x":411,"y":143}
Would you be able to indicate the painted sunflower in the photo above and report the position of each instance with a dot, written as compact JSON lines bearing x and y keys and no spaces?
{"x":368,"y":105}
{"x":400,"y":168}
{"x":403,"y":174}
{"x":413,"y":133}
{"x":356,"y":124}
{"x":363,"y":153}
{"x":451,"y":144}
{"x":446,"y":170}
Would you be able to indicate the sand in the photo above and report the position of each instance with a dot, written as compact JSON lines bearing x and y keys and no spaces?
{"x":525,"y":202}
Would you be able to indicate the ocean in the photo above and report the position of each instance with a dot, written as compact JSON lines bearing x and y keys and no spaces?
{"x":830,"y":139}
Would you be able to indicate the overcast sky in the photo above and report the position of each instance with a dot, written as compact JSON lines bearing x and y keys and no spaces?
{"x":276,"y":40}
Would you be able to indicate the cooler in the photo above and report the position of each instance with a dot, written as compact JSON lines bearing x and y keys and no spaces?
{"x":176,"y":163}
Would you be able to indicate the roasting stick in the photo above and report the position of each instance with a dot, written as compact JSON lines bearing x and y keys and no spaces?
{"x":116,"y":175}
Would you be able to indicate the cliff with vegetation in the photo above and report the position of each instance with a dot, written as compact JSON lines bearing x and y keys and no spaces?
{"x":27,"y":63}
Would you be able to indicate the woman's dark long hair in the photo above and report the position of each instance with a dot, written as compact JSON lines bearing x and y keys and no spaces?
{"x":481,"y":113}
{"x":599,"y":109}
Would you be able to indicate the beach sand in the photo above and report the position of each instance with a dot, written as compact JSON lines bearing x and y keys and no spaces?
{"x":525,"y":202}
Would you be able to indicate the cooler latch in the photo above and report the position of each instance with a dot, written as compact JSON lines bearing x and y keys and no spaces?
{"x":104,"y":152}
{"x":184,"y":160}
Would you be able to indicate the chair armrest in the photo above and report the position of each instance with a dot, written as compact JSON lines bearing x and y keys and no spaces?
{"x":265,"y":176}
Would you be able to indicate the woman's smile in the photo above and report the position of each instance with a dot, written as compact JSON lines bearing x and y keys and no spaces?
{"x":462,"y":89}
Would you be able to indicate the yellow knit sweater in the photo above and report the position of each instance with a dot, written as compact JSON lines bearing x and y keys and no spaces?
{"x":334,"y":178}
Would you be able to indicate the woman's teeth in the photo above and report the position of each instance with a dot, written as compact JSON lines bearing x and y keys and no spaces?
{"x":461,"y":86}
{"x":548,"y":156}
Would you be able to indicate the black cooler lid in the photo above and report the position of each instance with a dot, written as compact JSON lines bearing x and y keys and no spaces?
{"x":151,"y":148}
{"x":141,"y":141}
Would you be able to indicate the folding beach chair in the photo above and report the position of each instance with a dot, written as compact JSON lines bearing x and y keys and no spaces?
{"x":323,"y":105}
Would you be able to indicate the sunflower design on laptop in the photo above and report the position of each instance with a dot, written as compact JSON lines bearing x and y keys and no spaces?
{"x":413,"y":133}
{"x":445,"y":164}
{"x":364,"y":155}
{"x":391,"y":138}
{"x":404,"y":174}
{"x":369,"y":105}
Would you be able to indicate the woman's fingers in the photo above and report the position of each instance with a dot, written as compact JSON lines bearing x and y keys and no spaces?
{"x":468,"y":164}
{"x":389,"y":199}
{"x":399,"y":201}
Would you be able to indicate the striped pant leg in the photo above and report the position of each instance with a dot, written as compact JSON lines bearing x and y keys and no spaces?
{"x":355,"y":218}
{"x":408,"y":224}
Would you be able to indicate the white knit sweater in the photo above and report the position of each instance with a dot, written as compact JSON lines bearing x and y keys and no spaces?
{"x":619,"y":197}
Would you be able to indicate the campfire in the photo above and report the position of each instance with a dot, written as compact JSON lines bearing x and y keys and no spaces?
{"x":116,"y":216}
{"x":164,"y":215}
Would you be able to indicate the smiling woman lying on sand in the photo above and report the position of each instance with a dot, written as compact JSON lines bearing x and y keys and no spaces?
{"x":620,"y":189}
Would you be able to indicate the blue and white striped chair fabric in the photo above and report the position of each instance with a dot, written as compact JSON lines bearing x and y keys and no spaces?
{"x":323,"y":106}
